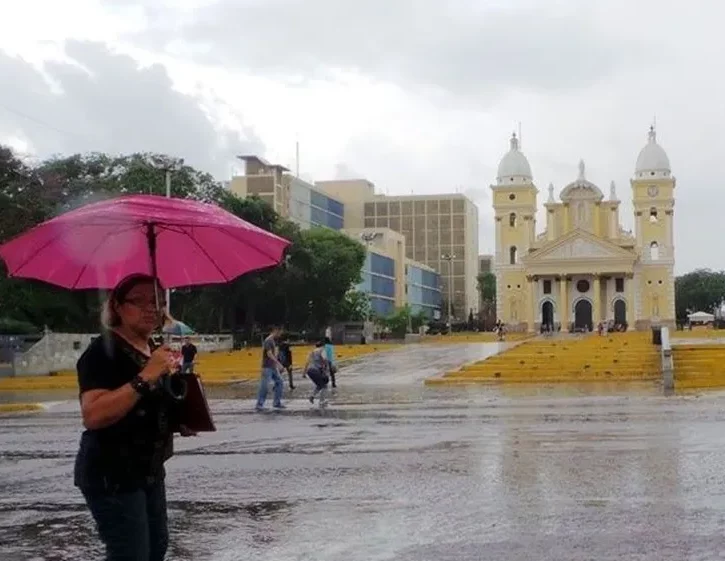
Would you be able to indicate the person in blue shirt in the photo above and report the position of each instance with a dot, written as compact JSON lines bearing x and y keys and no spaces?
{"x":330,"y":356}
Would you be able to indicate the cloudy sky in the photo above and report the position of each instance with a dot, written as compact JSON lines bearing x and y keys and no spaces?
{"x":415,"y":95}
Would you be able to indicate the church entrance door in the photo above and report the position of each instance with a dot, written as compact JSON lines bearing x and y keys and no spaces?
{"x":547,"y":314}
{"x":620,"y":312}
{"x":583,"y":315}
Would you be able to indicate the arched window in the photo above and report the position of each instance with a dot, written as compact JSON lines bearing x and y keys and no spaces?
{"x":512,"y":220}
{"x":513,"y":255}
{"x":653,"y":215}
{"x":654,"y":251}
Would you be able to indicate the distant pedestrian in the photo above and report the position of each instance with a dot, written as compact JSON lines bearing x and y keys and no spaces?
{"x":271,"y":369}
{"x":285,"y":358}
{"x":188,"y":354}
{"x":316,"y":371}
{"x":330,"y":356}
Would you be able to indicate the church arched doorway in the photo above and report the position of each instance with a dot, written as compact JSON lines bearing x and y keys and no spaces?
{"x":620,"y":312}
{"x":583,"y":315}
{"x":547,"y":314}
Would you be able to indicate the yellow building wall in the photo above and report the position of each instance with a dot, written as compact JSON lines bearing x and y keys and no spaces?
{"x":516,"y":300}
{"x":656,"y":296}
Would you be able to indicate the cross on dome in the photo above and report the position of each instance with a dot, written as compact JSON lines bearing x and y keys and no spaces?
{"x":582,"y":170}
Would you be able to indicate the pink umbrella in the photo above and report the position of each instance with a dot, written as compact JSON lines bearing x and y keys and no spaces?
{"x":180,"y":241}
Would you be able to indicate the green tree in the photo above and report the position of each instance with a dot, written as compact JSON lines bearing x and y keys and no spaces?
{"x":698,"y":290}
{"x":334,"y":264}
{"x":355,"y":307}
{"x":487,"y":292}
{"x":308,"y":290}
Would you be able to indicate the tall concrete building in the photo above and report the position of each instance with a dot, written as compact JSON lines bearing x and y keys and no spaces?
{"x":290,"y":196}
{"x":485,"y":264}
{"x":435,"y":227}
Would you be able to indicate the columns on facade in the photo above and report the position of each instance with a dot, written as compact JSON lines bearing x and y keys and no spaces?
{"x":563,"y":304}
{"x":532,"y":229}
{"x":597,"y":306}
{"x":499,"y":250}
{"x":566,"y":228}
{"x":532,"y":302}
{"x":597,"y":219}
{"x":631,"y":308}
{"x":668,"y":232}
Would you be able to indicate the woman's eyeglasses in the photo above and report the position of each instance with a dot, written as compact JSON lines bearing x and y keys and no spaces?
{"x":145,"y":303}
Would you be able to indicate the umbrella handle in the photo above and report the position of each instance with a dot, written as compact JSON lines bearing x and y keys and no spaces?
{"x":175,"y":386}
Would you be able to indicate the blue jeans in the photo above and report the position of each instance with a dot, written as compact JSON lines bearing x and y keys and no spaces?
{"x":132,"y":525}
{"x":270,"y":375}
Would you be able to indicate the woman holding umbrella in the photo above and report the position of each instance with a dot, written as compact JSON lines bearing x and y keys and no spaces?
{"x":131,"y":245}
{"x":129,"y":421}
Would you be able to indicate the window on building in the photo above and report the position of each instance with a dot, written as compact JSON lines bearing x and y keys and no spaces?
{"x":547,"y":287}
{"x":619,"y":284}
{"x":654,"y":251}
{"x":512,"y":220}
{"x":653,"y":215}
{"x":513,"y":255}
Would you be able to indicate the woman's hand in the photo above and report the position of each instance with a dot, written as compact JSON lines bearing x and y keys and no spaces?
{"x":162,"y":361}
{"x":186,"y":431}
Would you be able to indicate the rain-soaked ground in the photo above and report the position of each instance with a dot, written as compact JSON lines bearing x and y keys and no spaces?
{"x":394,"y":470}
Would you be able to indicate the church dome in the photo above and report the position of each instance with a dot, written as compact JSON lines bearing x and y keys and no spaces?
{"x":652,"y":160}
{"x":514,"y":167}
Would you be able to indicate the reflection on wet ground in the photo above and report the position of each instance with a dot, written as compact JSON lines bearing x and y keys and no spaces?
{"x":395,"y":470}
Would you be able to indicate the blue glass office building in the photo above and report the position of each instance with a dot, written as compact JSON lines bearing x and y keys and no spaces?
{"x":308,"y":207}
{"x":378,"y":282}
{"x":423,"y":290}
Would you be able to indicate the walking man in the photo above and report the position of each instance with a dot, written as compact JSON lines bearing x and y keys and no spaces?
{"x":188,"y":354}
{"x":271,"y":368}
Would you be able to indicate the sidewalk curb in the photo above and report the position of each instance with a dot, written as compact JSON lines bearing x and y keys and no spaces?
{"x":10,"y":408}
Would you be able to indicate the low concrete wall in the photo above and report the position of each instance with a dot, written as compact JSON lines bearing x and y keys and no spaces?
{"x":60,"y":351}
{"x":54,"y":352}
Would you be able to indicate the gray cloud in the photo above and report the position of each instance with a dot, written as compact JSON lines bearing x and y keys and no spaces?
{"x":456,"y":47}
{"x":108,"y":103}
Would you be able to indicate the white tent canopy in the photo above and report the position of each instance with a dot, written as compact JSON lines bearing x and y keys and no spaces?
{"x":701,"y":317}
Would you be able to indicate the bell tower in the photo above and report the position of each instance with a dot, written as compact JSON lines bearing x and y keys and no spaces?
{"x":514,"y":204}
{"x":653,"y":198}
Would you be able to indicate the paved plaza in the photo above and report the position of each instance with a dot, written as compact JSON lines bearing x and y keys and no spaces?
{"x":395,"y":470}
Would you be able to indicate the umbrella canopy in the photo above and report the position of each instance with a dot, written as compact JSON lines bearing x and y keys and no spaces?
{"x":178,"y":328}
{"x":180,"y":241}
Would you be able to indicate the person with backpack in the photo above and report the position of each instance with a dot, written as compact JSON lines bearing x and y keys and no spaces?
{"x":330,"y":356}
{"x":316,"y":370}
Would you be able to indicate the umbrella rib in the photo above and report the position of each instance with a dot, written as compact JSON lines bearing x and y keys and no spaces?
{"x":260,"y":250}
{"x":93,"y":254}
{"x":39,"y":250}
{"x":205,"y":252}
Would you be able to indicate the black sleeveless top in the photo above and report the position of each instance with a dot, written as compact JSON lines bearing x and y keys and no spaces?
{"x":130,"y":453}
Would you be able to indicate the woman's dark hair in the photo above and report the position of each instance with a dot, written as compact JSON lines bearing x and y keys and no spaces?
{"x":319,"y":344}
{"x":109,"y":315}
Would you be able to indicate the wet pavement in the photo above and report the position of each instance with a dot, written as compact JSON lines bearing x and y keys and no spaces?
{"x":397,"y":471}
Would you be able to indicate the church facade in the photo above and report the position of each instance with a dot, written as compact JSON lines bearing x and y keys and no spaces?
{"x":584,"y":267}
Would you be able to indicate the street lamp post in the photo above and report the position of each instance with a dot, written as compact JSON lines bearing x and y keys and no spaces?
{"x":450,"y":257}
{"x":167,"y":168}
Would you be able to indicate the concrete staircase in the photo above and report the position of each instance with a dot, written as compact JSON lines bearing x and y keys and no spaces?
{"x":567,"y":358}
{"x":699,"y":366}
